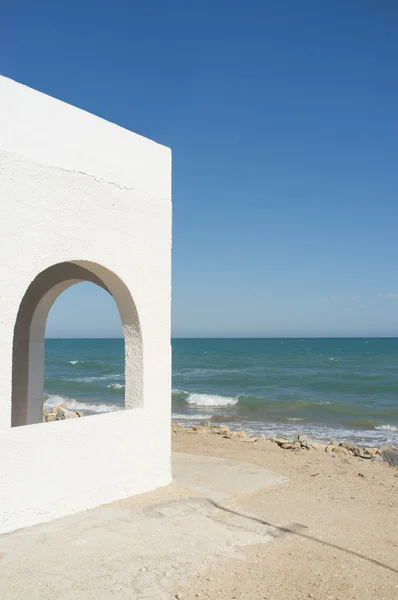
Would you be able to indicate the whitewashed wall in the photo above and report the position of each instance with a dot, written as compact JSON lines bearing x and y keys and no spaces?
{"x":75,"y":188}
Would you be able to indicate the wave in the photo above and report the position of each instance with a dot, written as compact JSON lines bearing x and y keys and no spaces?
{"x":191,"y":417}
{"x":386,"y":428}
{"x":115,"y":386}
{"x":74,"y":362}
{"x":55,"y":400}
{"x":210,"y":400}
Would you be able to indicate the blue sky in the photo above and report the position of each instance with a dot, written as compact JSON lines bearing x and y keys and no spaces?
{"x":282,"y":117}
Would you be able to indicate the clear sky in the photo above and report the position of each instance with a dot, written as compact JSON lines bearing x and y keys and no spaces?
{"x":283,"y":121}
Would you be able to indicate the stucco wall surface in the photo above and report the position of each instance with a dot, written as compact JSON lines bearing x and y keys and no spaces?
{"x":77,"y":189}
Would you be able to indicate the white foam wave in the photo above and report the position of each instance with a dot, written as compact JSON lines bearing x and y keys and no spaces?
{"x":190,"y":417}
{"x":71,"y":404}
{"x":210,"y":400}
{"x":98,"y":378}
{"x":74,"y":362}
{"x":115,"y":386}
{"x":387,"y":428}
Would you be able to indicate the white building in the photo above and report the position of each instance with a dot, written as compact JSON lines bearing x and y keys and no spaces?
{"x":81,"y":200}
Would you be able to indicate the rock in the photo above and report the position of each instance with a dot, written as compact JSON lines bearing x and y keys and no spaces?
{"x":340,"y":451}
{"x":302,"y":438}
{"x":179,"y":596}
{"x":352,"y":448}
{"x":59,"y":413}
{"x":71,"y":414}
{"x":317,"y":446}
{"x":286,"y":446}
{"x":50,"y":417}
{"x":330,"y":448}
{"x":200,"y":428}
{"x":281,"y":439}
{"x":296,"y":445}
{"x":390,"y":456}
{"x":371,"y":451}
{"x":364,"y":453}
{"x":305,"y":445}
{"x":220,"y":429}
{"x":334,"y":443}
{"x":205,"y":423}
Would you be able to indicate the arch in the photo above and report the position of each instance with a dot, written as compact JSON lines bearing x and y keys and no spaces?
{"x":29,"y":330}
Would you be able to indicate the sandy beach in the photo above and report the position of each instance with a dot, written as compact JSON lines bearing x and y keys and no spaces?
{"x":336,"y":518}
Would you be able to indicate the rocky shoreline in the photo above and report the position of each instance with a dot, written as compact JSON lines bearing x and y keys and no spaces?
{"x":302,"y":442}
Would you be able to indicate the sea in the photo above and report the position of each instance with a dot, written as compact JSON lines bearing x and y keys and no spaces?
{"x":343,"y":389}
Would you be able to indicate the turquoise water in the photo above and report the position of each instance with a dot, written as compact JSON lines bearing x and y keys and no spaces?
{"x":343,"y":388}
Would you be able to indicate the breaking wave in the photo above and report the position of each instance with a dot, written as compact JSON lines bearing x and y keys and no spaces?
{"x":387,"y":428}
{"x":210,"y":400}
{"x":55,"y":400}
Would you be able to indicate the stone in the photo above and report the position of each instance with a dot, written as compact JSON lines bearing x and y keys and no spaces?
{"x":286,"y":446}
{"x":200,"y":428}
{"x":390,"y":456}
{"x":373,"y":451}
{"x":352,"y":448}
{"x":205,"y":423}
{"x":364,"y":453}
{"x":302,"y":438}
{"x":340,"y":451}
{"x":330,"y":448}
{"x":59,"y":413}
{"x":281,"y":439}
{"x":50,"y":417}
{"x":334,"y":443}
{"x":318,"y":446}
{"x":220,"y":429}
{"x":296,"y":445}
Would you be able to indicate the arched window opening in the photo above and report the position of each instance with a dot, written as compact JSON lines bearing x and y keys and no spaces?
{"x":84,"y":375}
{"x":84,"y":354}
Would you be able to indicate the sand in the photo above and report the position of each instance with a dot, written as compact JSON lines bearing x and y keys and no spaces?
{"x":337,"y":524}
{"x":329,"y":532}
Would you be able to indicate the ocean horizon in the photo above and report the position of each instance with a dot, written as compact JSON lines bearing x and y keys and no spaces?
{"x":326,"y":387}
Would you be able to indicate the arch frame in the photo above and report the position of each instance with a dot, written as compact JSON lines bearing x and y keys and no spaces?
{"x":29,"y":335}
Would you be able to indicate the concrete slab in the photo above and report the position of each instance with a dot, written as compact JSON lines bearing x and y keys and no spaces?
{"x":142,"y":548}
{"x":218,"y":478}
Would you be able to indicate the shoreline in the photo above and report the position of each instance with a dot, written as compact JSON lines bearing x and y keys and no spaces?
{"x":299,"y":441}
{"x":384,"y":453}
